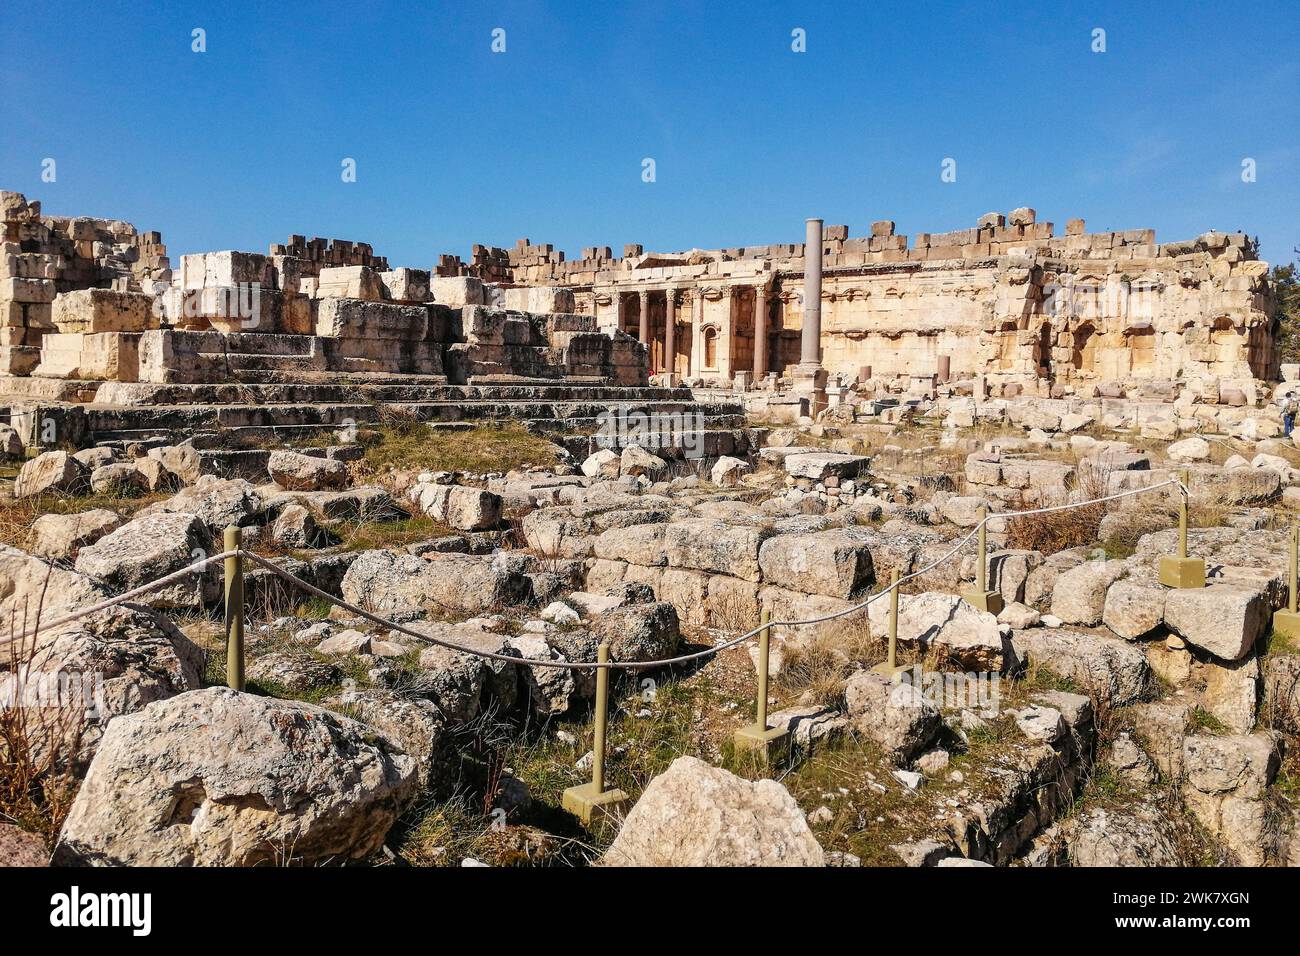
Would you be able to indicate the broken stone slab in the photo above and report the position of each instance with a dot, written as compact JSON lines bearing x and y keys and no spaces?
{"x":638,"y":632}
{"x":637,"y":462}
{"x":970,"y":638}
{"x":894,"y":716}
{"x":58,"y":537}
{"x":551,"y":690}
{"x":1189,"y":450}
{"x":219,"y":778}
{"x":694,"y":814}
{"x":727,"y":471}
{"x":148,"y":548}
{"x":217,"y":502}
{"x":1107,"y":667}
{"x":1223,"y":619}
{"x":1079,"y":594}
{"x":810,"y":724}
{"x":818,"y":466}
{"x":135,"y":657}
{"x":49,"y":473}
{"x":293,"y":471}
{"x":296,"y":673}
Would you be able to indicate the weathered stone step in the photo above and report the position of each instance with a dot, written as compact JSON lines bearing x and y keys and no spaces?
{"x":555,"y":416}
{"x":378,"y":388}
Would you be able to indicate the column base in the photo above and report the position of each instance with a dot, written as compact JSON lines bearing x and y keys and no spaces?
{"x":585,"y":803}
{"x":809,"y":381}
{"x":1286,"y":623}
{"x":989,"y":601}
{"x":771,"y":744}
{"x":1182,"y":572}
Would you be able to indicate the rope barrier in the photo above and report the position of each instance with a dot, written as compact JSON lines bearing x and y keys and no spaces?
{"x":280,"y":572}
{"x":199,"y":565}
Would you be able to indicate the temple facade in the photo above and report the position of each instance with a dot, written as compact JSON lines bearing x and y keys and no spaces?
{"x":1007,"y":299}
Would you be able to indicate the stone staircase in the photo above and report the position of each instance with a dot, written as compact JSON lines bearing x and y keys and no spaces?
{"x":258,"y":415}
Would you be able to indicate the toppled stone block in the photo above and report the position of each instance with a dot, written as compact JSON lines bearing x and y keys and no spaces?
{"x":297,"y":472}
{"x":895,"y":716}
{"x":1079,"y":594}
{"x":215,"y":777}
{"x":1108,"y":667}
{"x":1224,"y":619}
{"x":697,"y":815}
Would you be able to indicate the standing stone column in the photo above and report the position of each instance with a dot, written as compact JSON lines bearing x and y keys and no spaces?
{"x":697,"y":331}
{"x":760,"y":333}
{"x":670,"y":332}
{"x":808,"y":376}
{"x":727,"y":371}
{"x":644,"y":335}
{"x":810,"y":353}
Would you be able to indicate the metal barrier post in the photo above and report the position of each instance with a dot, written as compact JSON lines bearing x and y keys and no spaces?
{"x":234,"y":608}
{"x":586,"y":800}
{"x":769,"y":743}
{"x":891,"y":667}
{"x":1182,"y":571}
{"x":980,"y":596}
{"x":1287,"y":623}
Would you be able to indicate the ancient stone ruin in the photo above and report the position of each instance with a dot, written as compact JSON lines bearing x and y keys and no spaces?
{"x":953,"y":473}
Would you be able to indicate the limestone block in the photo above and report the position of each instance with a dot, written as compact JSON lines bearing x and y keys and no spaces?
{"x":406,"y":285}
{"x":1134,"y":608}
{"x":1079,"y":595}
{"x":103,"y":310}
{"x":836,"y":562}
{"x":540,"y":299}
{"x":457,"y":291}
{"x":365,"y":321}
{"x":1110,"y":668}
{"x":1224,"y":619}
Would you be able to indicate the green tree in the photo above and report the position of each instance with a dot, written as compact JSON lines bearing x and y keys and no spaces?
{"x":1286,"y":286}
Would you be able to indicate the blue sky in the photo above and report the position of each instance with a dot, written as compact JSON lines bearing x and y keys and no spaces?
{"x":241,"y":145}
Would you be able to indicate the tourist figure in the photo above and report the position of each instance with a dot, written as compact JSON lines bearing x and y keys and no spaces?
{"x":1289,"y":406}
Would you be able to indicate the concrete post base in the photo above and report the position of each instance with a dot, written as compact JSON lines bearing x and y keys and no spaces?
{"x":1286,"y":623}
{"x":771,"y":744}
{"x":990,"y":601}
{"x":586,"y":804}
{"x":1182,"y":572}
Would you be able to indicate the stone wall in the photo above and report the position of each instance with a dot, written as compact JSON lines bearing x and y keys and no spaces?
{"x":43,"y":256}
{"x":1007,"y":299}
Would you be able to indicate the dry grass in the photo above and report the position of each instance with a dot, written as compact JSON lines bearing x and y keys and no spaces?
{"x":412,"y":445}
{"x":38,"y":741}
{"x":18,"y":514}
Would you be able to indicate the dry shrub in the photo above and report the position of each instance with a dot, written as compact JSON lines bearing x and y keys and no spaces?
{"x":1056,"y":530}
{"x":1141,"y":521}
{"x":816,"y":669}
{"x":38,"y":741}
